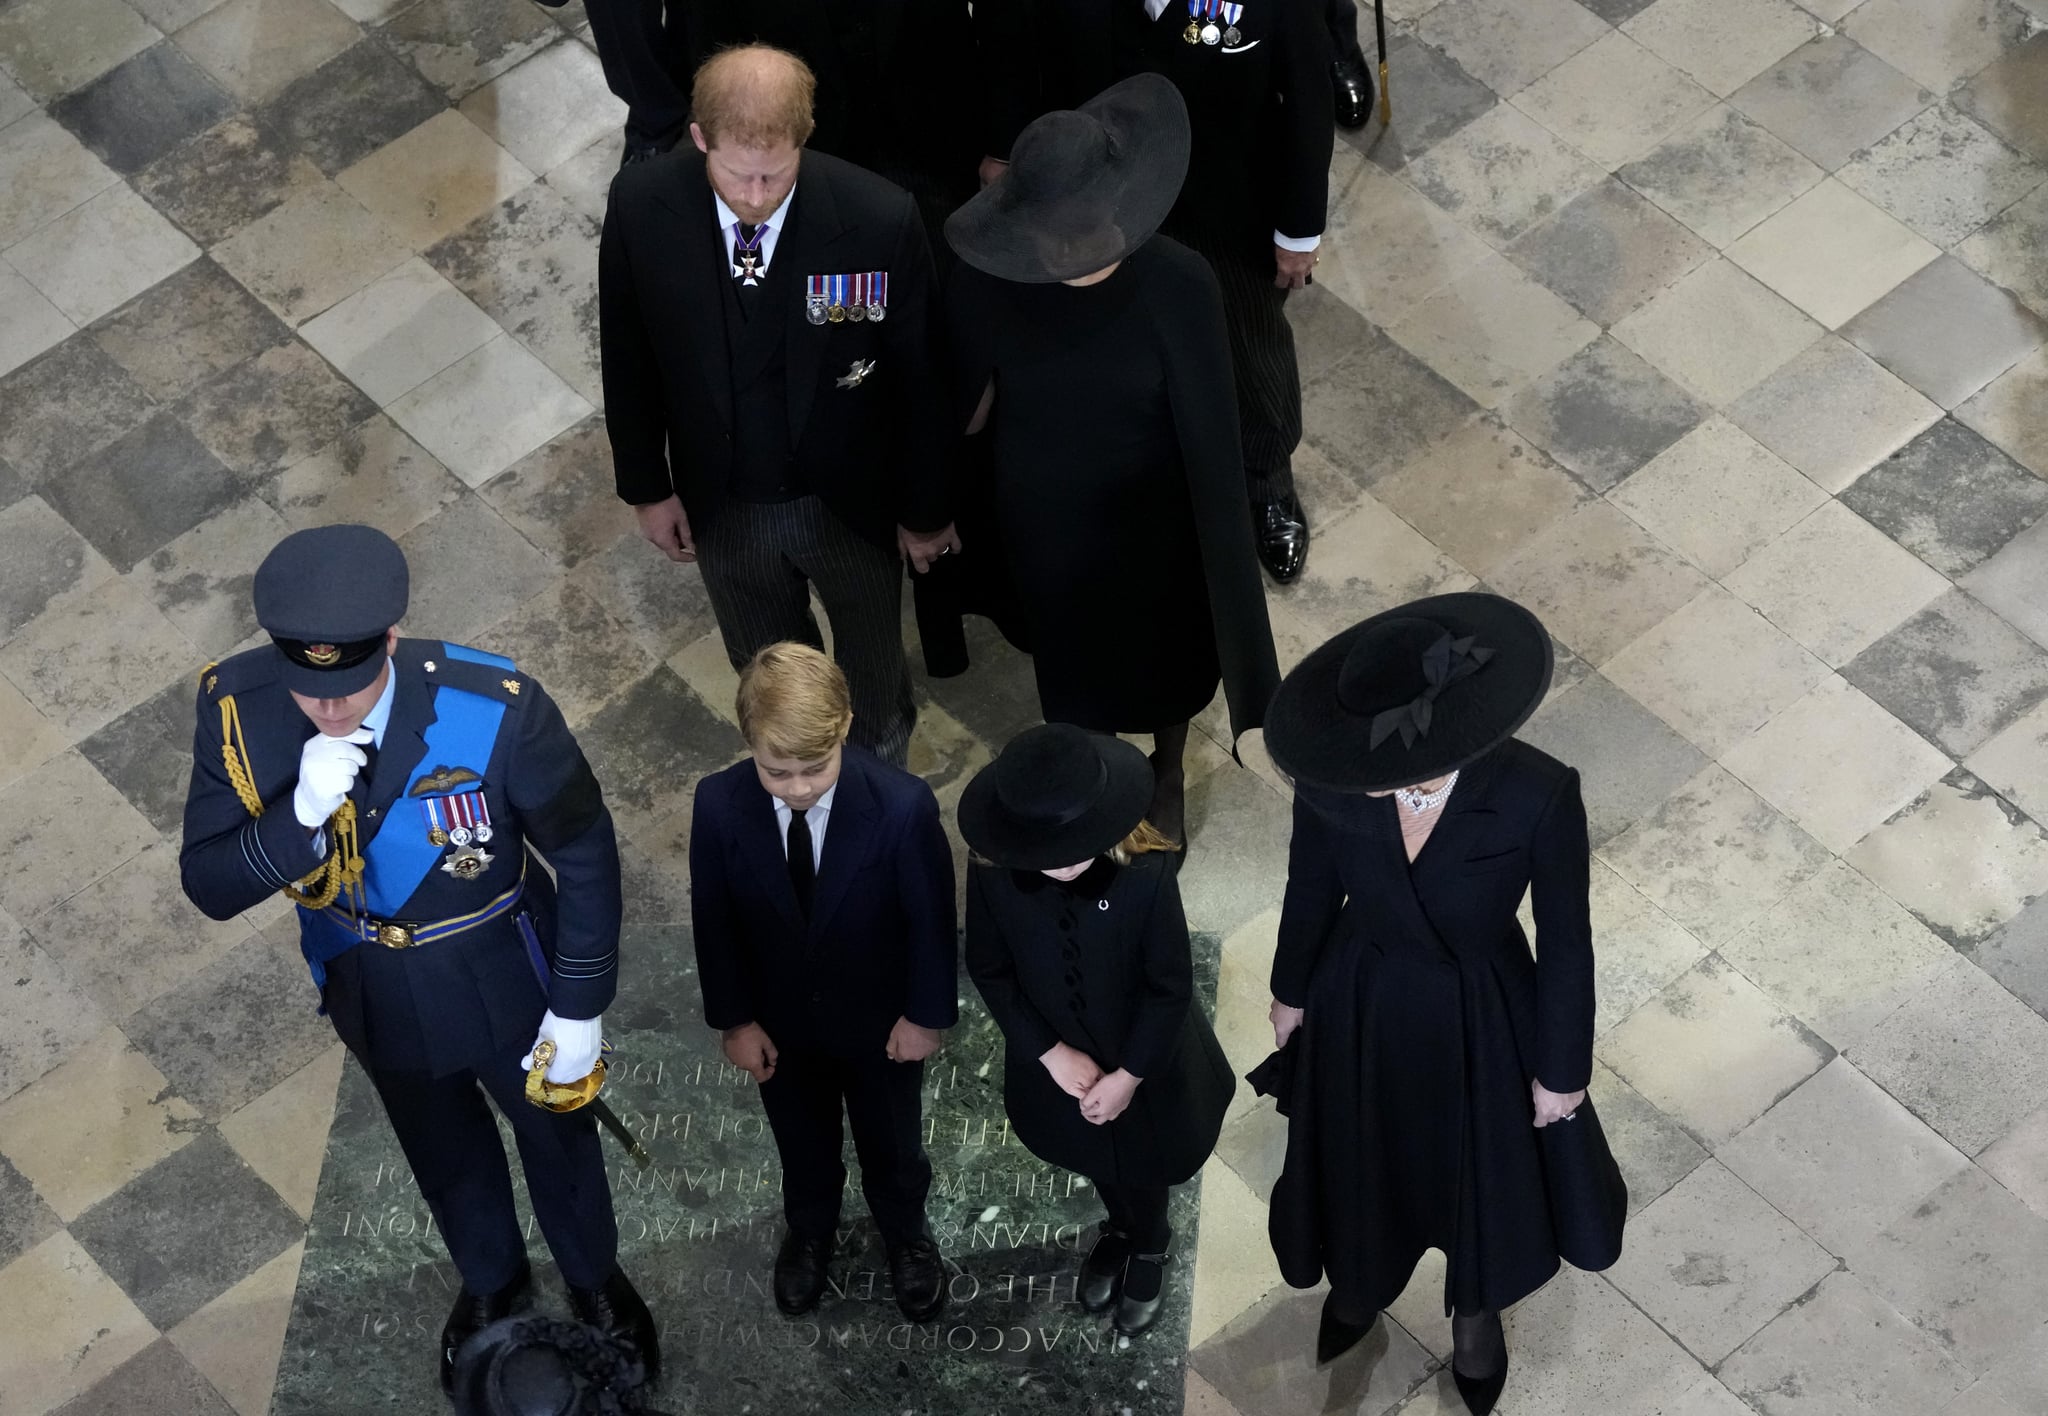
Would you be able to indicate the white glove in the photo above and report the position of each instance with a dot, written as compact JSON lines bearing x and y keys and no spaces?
{"x":327,"y":769}
{"x":576,"y":1040}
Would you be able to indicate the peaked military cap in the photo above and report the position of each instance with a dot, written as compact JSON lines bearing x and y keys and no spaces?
{"x":327,"y":596}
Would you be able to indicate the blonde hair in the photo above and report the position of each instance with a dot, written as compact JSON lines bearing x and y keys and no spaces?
{"x":754,"y":95}
{"x":1145,"y":838}
{"x":793,"y":703}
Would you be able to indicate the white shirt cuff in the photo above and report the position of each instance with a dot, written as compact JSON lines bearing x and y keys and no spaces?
{"x":1296,"y":243}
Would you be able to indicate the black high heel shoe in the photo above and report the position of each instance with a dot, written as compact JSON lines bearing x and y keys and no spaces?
{"x":1480,"y":1393}
{"x":1478,"y":1337}
{"x":1337,"y":1335}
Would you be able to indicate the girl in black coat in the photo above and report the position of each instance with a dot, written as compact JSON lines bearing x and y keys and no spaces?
{"x":1437,"y":1091}
{"x":1076,"y":939}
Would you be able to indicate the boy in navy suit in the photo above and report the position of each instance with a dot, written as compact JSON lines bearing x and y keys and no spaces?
{"x":821,"y":882}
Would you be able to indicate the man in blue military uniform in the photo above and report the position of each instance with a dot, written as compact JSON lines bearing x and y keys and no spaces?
{"x":397,"y":790}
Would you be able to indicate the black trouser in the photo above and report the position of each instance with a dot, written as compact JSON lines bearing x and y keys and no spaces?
{"x":1342,"y":17}
{"x":1262,"y":357}
{"x":451,"y":1141}
{"x":1139,"y":1211}
{"x":644,"y":66}
{"x":805,"y":1099}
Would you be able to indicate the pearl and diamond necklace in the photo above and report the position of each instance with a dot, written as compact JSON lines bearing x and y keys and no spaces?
{"x":1418,"y":801}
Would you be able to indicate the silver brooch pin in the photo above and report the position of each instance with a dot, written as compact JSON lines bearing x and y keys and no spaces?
{"x":856,"y":372}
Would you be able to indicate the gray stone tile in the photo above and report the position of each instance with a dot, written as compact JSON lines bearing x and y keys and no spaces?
{"x":143,"y":490}
{"x":1940,"y":44}
{"x":184,"y":330}
{"x":1718,"y":332}
{"x":46,"y":1018}
{"x":1502,"y":173}
{"x":2010,"y":97}
{"x":13,"y":486}
{"x":53,"y":49}
{"x":43,"y":562}
{"x":225,"y":178}
{"x":140,"y":110}
{"x":1615,"y":11}
{"x":1325,"y":328}
{"x":2010,"y":582}
{"x":463,"y":44}
{"x":1850,"y":1351}
{"x":1947,"y":331}
{"x":2008,"y":412}
{"x":1436,"y":98}
{"x":1949,"y":497}
{"x":561,"y":496}
{"x":1618,"y":1359}
{"x":1614,"y":100}
{"x":63,"y":826}
{"x":311,"y":252}
{"x":270,"y":411}
{"x":1255,"y":1147}
{"x":570,"y":643}
{"x":157,"y":1380}
{"x":1508,"y":46}
{"x":146,"y":754}
{"x":1721,"y":175}
{"x":665,"y":607}
{"x":1598,"y":580}
{"x":373,"y":474}
{"x":2017,"y":956}
{"x":649,"y":746}
{"x":1716,"y":496}
{"x":71,"y":401}
{"x":1263,"y":1362}
{"x":1720,"y":44}
{"x":2012,"y":249}
{"x":469,"y":569}
{"x":1377,"y":409}
{"x":1943,"y":174}
{"x":1603,"y":413}
{"x":25,"y":1221}
{"x":256,"y":47}
{"x":201,"y":581}
{"x":1833,"y":412}
{"x":1240,"y":827}
{"x":1653,"y":1151}
{"x":186,"y":1230}
{"x":1628,"y":761}
{"x":1831,"y":98}
{"x":351,"y":105}
{"x":1955,"y":673}
{"x":224,"y":1035}
{"x":1608,"y":252}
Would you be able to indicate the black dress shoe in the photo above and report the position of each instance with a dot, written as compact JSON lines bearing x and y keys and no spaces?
{"x":800,"y":1272}
{"x":1480,"y":1393}
{"x":1142,"y":1294}
{"x":1280,"y":527}
{"x":1337,"y":1335}
{"x":1102,"y":1272}
{"x":473,"y":1312}
{"x":1354,"y":92}
{"x":919,"y":1272}
{"x":617,"y":1308}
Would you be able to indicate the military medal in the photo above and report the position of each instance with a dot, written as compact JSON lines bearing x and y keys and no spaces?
{"x":857,"y":300}
{"x":878,"y":296}
{"x":463,"y":821}
{"x":814,"y":298}
{"x":1232,"y":35}
{"x":467,"y":862}
{"x":1202,"y":27}
{"x":747,"y":255}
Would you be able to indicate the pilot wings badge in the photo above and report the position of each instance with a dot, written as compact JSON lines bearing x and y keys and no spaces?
{"x":856,"y":373}
{"x":443,"y":780}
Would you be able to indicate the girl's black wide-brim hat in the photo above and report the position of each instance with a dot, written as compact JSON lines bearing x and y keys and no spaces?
{"x":1410,"y":694}
{"x":1085,"y":186}
{"x":1057,"y":796}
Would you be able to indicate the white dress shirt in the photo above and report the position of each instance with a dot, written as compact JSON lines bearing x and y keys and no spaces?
{"x":817,"y":817}
{"x":728,"y":218}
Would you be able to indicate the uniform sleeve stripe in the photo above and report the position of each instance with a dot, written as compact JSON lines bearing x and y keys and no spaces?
{"x":586,"y":968}
{"x":258,"y":860}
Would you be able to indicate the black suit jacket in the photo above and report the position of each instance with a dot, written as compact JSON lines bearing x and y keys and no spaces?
{"x":869,"y":447}
{"x":881,"y":940}
{"x":444,"y":1005}
{"x":1263,"y":112}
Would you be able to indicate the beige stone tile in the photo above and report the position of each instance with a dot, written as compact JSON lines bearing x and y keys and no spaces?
{"x":585,"y":180}
{"x":2015,"y":763}
{"x":1721,"y":174}
{"x":63,"y":826}
{"x":1420,"y":1308}
{"x":1939,"y":43}
{"x":1493,"y":330}
{"x":1638,"y":949}
{"x":1234,"y":1266}
{"x":27,"y":738}
{"x":489,"y":409}
{"x":1712,"y":1051}
{"x":1832,"y":253}
{"x":237,"y":1339}
{"x":99,"y":255}
{"x":1598,"y":580}
{"x":1579,"y":1347}
{"x":1614,"y":100}
{"x":1843,"y":1352}
{"x":2019,"y":1160}
{"x":1716,"y":496}
{"x":436,"y":179}
{"x":44,"y":172}
{"x":55,"y":46}
{"x":1959,"y":860}
{"x":1653,"y":1151}
{"x":1200,"y":1399}
{"x":1242,"y":1000}
{"x":312,"y":251}
{"x":29,"y":324}
{"x":13,"y":101}
{"x":256,"y":47}
{"x":44,"y":1016}
{"x":2008,"y":411}
{"x":1716,"y":670}
{"x":85,"y":663}
{"x":1366,"y":561}
{"x":93,"y":1123}
{"x":1506,"y":45}
{"x":1839,"y":954}
{"x":1263,"y":1362}
{"x":1841,"y":1158}
{"x":549,"y":108}
{"x":1722,"y":44}
{"x":399,"y":330}
{"x":1968,"y":1057}
{"x":1707,"y":1397}
{"x":1836,"y":583}
{"x":1502,"y":173}
{"x":1387,"y":246}
{"x":1836,"y":763}
{"x":1713,"y":1263}
{"x":1983,"y":1399}
{"x":1480,"y":493}
{"x":283,"y":1133}
{"x":1717,"y":332}
{"x":1834,"y":413}
{"x":68,"y":1325}
{"x":374,"y":474}
{"x":2023,"y":1375}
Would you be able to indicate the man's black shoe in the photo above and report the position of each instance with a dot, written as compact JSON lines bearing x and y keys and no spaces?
{"x":800,"y":1272}
{"x":919,"y":1273}
{"x":1354,"y":92}
{"x":618,"y":1309}
{"x":473,"y":1312}
{"x":1280,"y":527}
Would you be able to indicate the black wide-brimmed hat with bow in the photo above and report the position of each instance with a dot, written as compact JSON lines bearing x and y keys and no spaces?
{"x":1410,"y":694}
{"x":536,"y":1366}
{"x":1057,"y":796}
{"x":1085,"y":186}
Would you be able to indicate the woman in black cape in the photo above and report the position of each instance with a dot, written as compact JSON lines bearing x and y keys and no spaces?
{"x":1094,"y":354}
{"x":1076,"y":939}
{"x":1436,"y":1094}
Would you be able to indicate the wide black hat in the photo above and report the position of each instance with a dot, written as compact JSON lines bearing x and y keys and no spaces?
{"x":1057,"y":796}
{"x":536,"y":1366}
{"x":327,"y":596}
{"x":1085,"y":187}
{"x":1410,"y":694}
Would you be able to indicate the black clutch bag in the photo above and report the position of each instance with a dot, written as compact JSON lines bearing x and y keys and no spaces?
{"x":1588,"y":1197}
{"x":1274,"y":1077}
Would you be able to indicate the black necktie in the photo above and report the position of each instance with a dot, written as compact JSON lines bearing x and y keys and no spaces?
{"x":803,"y":871}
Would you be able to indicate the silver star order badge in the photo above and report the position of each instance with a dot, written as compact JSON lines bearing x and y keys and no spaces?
{"x":856,"y":372}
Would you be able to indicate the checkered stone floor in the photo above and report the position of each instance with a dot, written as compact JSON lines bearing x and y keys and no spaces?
{"x":1712,"y":329}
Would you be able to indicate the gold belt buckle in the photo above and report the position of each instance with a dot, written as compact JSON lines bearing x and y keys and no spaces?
{"x":395,"y":936}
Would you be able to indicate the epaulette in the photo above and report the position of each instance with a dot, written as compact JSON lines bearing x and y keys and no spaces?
{"x":252,"y":668}
{"x":489,"y":680}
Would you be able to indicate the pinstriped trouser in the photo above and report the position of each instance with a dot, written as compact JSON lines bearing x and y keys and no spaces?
{"x":760,"y":560}
{"x":1262,"y":356}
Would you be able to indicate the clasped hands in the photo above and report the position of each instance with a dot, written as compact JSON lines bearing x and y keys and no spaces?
{"x":749,"y":1048}
{"x":667,"y":526}
{"x":1103,"y":1095}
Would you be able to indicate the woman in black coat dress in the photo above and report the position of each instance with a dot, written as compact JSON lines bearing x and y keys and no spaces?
{"x":1076,"y":939}
{"x":1437,"y":1090}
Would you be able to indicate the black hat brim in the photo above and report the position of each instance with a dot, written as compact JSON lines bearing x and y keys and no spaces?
{"x":1314,"y":739}
{"x":994,"y":834}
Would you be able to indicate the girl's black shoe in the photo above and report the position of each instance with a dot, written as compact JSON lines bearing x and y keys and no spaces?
{"x":1102,"y":1272}
{"x":1143,"y":1293}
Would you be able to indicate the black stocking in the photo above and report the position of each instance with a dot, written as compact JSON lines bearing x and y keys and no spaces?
{"x":1168,"y":812}
{"x":1480,"y":1347}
